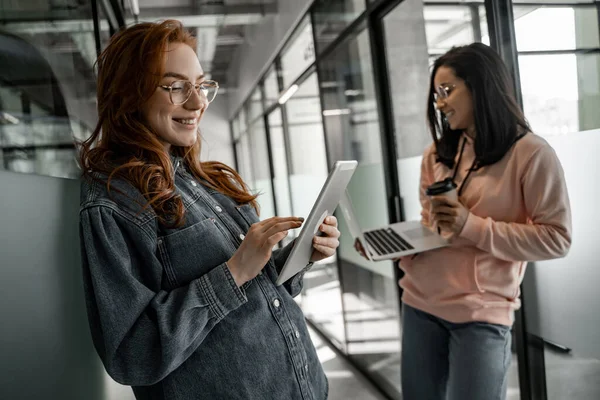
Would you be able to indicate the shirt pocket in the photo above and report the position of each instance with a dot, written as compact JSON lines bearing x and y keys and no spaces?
{"x":248,"y":213}
{"x":191,"y":252}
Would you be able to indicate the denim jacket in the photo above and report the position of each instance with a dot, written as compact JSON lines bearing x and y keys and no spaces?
{"x":165,"y":314}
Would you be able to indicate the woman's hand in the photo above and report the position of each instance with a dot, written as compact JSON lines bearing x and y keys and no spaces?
{"x":447,"y":214}
{"x":360,"y":249}
{"x":255,"y":250}
{"x":325,"y":246}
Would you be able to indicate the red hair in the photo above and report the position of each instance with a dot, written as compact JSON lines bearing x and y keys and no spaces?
{"x":122,"y":144}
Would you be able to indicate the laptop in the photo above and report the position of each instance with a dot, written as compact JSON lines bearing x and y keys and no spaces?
{"x":327,"y":201}
{"x":393,"y":241}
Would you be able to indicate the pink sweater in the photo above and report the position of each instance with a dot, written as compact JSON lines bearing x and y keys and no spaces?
{"x":519,"y":212}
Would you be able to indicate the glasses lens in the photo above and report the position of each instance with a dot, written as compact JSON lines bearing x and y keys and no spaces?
{"x":180,"y":91}
{"x":442,"y":92}
{"x":209,"y":90}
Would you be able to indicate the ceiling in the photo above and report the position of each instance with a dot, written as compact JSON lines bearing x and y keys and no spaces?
{"x":218,"y":24}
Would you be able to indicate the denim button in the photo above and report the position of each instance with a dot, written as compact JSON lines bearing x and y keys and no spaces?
{"x":219,"y":209}
{"x":194,"y":184}
{"x":297,"y":334}
{"x":276,"y":303}
{"x":159,"y":241}
{"x":242,"y":237}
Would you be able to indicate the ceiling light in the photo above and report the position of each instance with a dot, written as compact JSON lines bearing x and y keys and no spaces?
{"x":337,"y":111}
{"x":287,"y":94}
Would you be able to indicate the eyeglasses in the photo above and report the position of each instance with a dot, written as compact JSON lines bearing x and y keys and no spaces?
{"x":180,"y":91}
{"x":443,"y":91}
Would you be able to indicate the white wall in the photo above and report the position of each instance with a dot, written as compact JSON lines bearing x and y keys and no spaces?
{"x":262,"y":43}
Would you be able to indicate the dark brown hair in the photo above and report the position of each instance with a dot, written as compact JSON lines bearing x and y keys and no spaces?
{"x":499,"y":119}
{"x":123,"y":145}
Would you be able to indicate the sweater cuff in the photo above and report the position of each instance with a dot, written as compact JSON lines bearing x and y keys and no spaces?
{"x":221,"y":291}
{"x":473,"y":229}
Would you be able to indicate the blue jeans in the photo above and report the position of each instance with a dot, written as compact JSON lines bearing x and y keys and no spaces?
{"x":447,"y":361}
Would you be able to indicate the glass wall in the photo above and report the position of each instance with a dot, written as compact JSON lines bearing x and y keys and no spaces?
{"x":47,"y":86}
{"x":261,"y":168}
{"x":331,"y":17}
{"x":369,"y":290}
{"x":280,"y":164}
{"x":559,"y":65}
{"x":299,"y":53}
{"x":308,"y":156}
{"x":271,"y":86}
{"x":337,"y":105}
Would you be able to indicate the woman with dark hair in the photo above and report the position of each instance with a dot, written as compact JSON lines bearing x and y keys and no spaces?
{"x":179,"y":274}
{"x":513,"y":207}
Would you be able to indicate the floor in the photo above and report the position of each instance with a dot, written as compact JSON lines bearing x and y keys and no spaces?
{"x":344,"y":381}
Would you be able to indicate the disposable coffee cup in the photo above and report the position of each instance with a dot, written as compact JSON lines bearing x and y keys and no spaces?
{"x":443,"y":188}
{"x":447,"y":188}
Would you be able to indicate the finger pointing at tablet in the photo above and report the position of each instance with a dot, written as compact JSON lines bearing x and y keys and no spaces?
{"x":255,"y":250}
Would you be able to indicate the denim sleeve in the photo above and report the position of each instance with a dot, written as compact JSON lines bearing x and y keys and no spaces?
{"x":141,"y":332}
{"x":294,"y":285}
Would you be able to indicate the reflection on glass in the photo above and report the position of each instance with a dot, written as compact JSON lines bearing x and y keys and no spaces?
{"x":280,"y":170}
{"x":453,"y":25}
{"x":552,"y":109}
{"x":369,"y":290}
{"x":271,"y":87}
{"x":307,"y":144}
{"x":555,"y":28}
{"x":47,"y":90}
{"x":255,"y":106}
{"x":242,"y":150}
{"x":298,"y":54}
{"x":242,"y":119}
{"x":235,"y":127}
{"x":331,"y":17}
{"x":262,"y":173}
{"x":321,"y":299}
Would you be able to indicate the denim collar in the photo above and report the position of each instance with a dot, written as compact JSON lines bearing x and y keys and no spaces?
{"x":177,"y":161}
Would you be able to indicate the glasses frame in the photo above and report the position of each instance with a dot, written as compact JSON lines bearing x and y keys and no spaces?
{"x":443,"y":91}
{"x":193,"y":86}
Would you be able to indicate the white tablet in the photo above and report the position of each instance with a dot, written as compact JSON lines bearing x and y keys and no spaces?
{"x":327,"y":201}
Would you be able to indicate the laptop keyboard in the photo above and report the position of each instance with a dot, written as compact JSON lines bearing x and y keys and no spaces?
{"x":386,"y":241}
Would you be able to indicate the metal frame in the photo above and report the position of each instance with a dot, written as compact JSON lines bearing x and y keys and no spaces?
{"x":502,"y":38}
{"x":96,"y":21}
{"x":386,"y":122}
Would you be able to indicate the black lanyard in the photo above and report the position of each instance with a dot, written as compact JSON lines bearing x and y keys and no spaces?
{"x":462,"y":184}
{"x":473,"y":166}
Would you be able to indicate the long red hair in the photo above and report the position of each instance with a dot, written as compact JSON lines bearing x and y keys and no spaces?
{"x":122,"y":144}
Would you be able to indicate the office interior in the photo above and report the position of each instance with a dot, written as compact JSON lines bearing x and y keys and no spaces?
{"x":303,"y":84}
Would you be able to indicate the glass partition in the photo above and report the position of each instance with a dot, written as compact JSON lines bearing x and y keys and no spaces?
{"x":280,"y":169}
{"x":271,"y":87}
{"x":260,"y":168}
{"x":307,"y":146}
{"x":47,"y":86}
{"x":559,"y":64}
{"x":298,"y":54}
{"x":331,"y":17}
{"x":369,"y":289}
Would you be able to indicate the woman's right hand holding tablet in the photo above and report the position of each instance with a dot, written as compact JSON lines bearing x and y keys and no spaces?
{"x":255,"y":250}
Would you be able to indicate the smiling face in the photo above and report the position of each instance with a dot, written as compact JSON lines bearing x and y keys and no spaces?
{"x":177,"y":125}
{"x":458,"y":106}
